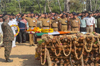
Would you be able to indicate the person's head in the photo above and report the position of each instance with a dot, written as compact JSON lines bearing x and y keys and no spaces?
{"x":90,"y":14}
{"x":79,"y":14}
{"x":28,"y":15}
{"x":6,"y":18}
{"x":22,"y":16}
{"x":82,"y":16}
{"x":14,"y":16}
{"x":64,"y":15}
{"x":1,"y":20}
{"x":75,"y":15}
{"x":32,"y":14}
{"x":46,"y":15}
{"x":86,"y":14}
{"x":55,"y":16}
{"x":11,"y":17}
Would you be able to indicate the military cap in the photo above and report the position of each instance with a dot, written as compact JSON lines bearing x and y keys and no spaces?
{"x":32,"y":12}
{"x":5,"y":17}
{"x":74,"y":13}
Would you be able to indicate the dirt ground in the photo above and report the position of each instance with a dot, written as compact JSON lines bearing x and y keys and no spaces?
{"x":22,"y":55}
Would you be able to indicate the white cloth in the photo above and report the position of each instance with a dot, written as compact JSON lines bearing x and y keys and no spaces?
{"x":13,"y":22}
{"x":54,"y":33}
{"x":1,"y":28}
{"x":1,"y":31}
{"x":90,"y":20}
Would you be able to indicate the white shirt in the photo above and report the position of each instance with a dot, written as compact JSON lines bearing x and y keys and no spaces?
{"x":15,"y":23}
{"x":90,"y":20}
{"x":12,"y":22}
{"x":1,"y":28}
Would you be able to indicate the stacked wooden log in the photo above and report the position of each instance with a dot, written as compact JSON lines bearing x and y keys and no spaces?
{"x":77,"y":49}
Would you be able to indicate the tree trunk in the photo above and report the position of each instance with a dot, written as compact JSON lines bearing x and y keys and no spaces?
{"x":39,"y":5}
{"x":49,"y":6}
{"x":91,"y":5}
{"x":45,"y":6}
{"x":19,"y":6}
{"x":59,"y":6}
{"x":67,"y":6}
{"x":95,"y":4}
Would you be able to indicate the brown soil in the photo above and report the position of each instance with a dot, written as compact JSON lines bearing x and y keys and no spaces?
{"x":22,"y":55}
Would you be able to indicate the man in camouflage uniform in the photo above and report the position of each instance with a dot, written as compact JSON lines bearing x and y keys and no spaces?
{"x":8,"y":37}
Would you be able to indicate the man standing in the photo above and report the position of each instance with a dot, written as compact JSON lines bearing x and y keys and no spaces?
{"x":32,"y":22}
{"x":46,"y":22}
{"x":90,"y":22}
{"x":8,"y":37}
{"x":22,"y":25}
{"x":75,"y":23}
{"x":54,"y":23}
{"x":64,"y":22}
{"x":12,"y":22}
{"x":83,"y":24}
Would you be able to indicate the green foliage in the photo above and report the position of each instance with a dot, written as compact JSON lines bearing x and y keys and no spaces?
{"x":41,"y":41}
{"x":32,"y":6}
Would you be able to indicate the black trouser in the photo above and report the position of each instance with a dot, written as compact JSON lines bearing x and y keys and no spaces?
{"x":22,"y":36}
{"x":97,"y":30}
{"x":82,"y":29}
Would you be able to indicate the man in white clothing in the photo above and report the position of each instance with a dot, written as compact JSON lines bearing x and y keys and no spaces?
{"x":13,"y":22}
{"x":90,"y":22}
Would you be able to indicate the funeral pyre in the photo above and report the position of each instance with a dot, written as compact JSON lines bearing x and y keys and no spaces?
{"x":75,"y":49}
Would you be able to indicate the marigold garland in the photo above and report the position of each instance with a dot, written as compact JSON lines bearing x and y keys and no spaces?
{"x":17,"y":28}
{"x":47,"y":30}
{"x":36,"y":30}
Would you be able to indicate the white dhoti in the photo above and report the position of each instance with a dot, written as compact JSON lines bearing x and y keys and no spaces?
{"x":14,"y":42}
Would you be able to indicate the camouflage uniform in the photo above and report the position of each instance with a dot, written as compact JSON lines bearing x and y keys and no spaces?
{"x":8,"y":37}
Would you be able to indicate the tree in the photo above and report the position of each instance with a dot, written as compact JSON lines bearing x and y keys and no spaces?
{"x":49,"y":6}
{"x":59,"y":5}
{"x":39,"y":5}
{"x":89,"y":5}
{"x":19,"y":6}
{"x":45,"y":6}
{"x":95,"y":5}
{"x":67,"y":5}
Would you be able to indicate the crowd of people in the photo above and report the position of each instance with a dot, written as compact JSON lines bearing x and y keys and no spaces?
{"x":82,"y":22}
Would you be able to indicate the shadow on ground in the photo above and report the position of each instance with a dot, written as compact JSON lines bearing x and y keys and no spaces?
{"x":29,"y":60}
{"x":26,"y":60}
